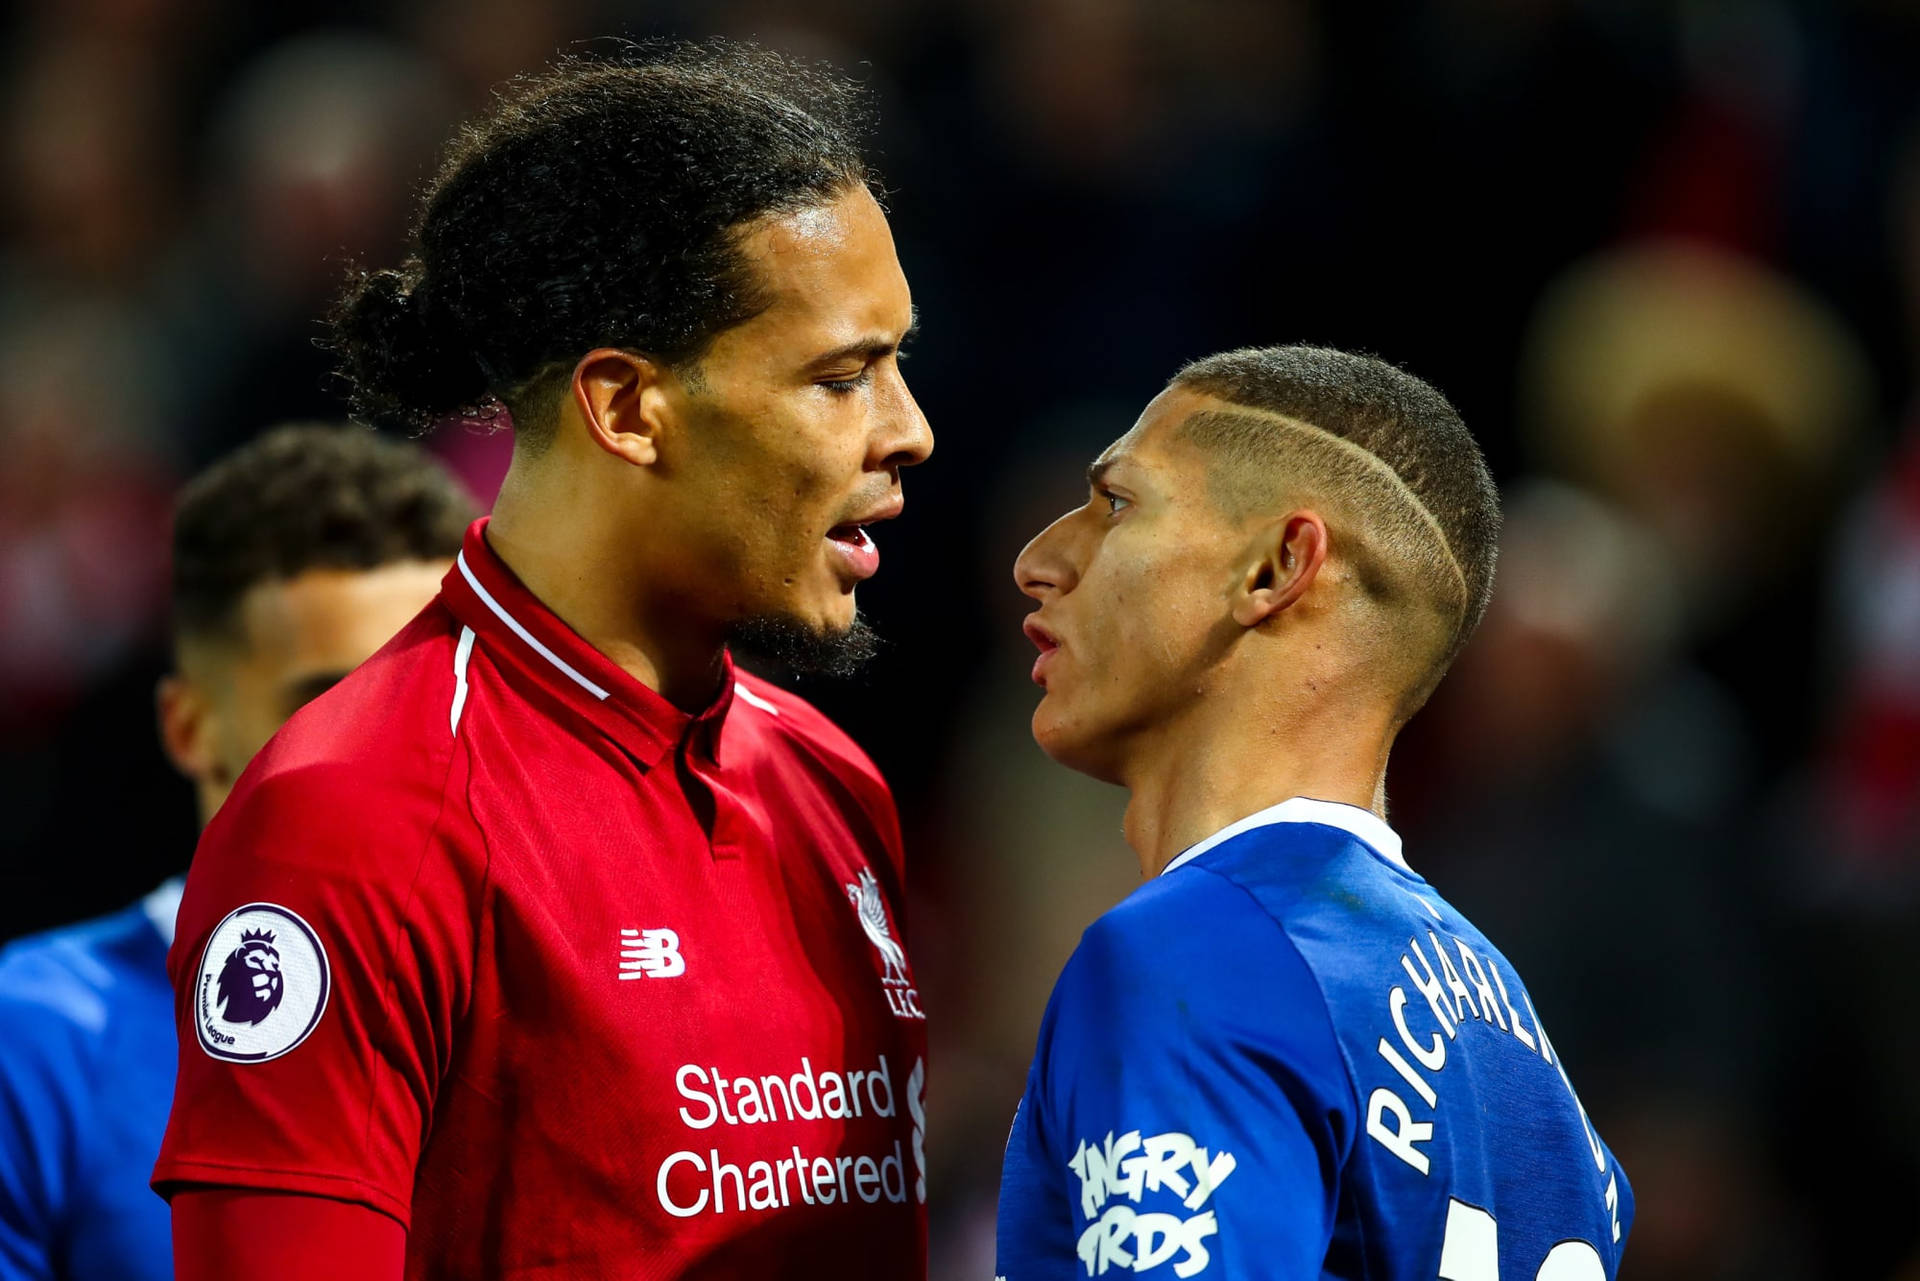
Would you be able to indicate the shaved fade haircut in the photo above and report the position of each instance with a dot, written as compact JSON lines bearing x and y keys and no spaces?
{"x":1415,"y":512}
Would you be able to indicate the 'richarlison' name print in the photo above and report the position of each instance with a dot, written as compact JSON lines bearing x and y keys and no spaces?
{"x":1471,"y":992}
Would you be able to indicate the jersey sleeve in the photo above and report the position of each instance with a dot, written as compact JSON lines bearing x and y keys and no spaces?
{"x":1189,"y":1093}
{"x":323,"y":962}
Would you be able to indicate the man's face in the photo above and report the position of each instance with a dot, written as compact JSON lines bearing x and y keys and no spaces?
{"x":293,"y":640}
{"x":1134,"y":592}
{"x":798,"y":425}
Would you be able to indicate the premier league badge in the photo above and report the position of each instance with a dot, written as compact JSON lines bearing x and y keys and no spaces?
{"x":262,"y":987}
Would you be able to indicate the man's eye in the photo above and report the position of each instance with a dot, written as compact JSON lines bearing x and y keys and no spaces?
{"x":1115,"y":503}
{"x":841,"y":386}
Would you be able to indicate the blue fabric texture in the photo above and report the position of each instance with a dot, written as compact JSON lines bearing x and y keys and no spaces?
{"x":86,"y":1079}
{"x":1288,"y":1057}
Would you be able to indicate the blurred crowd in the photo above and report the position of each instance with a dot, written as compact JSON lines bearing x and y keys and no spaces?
{"x":1664,"y":254}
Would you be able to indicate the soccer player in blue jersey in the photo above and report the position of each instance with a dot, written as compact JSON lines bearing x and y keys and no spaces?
{"x":294,"y":559}
{"x":1285,"y":1055}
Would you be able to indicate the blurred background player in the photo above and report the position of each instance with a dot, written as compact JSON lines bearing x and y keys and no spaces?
{"x":1285,"y":1055}
{"x":294,"y":558}
{"x":409,"y":1042}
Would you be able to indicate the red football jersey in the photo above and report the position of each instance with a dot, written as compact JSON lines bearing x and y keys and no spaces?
{"x":497,"y":941}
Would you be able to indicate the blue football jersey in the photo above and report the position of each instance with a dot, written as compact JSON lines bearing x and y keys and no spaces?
{"x":1288,"y":1057}
{"x":87,"y":1055}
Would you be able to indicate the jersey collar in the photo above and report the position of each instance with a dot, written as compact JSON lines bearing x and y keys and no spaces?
{"x":162,"y":905}
{"x":1363,"y":825}
{"x":523,"y":633}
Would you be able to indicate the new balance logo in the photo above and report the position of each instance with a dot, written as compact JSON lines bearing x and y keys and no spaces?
{"x":650,"y":954}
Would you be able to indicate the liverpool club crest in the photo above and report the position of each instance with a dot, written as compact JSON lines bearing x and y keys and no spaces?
{"x":895,"y":979}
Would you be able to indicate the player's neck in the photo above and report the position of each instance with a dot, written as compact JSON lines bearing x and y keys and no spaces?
{"x":588,"y":575}
{"x":1223,"y":765}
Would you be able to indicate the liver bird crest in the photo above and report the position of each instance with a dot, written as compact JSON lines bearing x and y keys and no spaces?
{"x":866,"y":900}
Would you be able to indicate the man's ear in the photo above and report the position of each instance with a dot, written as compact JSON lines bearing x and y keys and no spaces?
{"x":187,"y":730}
{"x":622,"y":399}
{"x":1284,"y":560}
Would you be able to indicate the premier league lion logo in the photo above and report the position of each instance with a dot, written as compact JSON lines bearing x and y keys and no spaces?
{"x":250,"y":984}
{"x":263,"y":984}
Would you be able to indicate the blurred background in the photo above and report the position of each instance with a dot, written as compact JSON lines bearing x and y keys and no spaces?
{"x":1664,"y":254}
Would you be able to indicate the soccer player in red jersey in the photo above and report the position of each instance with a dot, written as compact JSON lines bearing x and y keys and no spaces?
{"x":549,"y":943}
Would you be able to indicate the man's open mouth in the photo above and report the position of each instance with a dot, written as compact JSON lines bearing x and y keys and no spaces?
{"x":852,"y":535}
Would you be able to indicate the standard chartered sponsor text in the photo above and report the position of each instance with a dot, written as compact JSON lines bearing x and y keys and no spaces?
{"x":713,"y":1181}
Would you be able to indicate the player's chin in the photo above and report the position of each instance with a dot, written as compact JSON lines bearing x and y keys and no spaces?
{"x":1068,"y":741}
{"x":796,"y":644}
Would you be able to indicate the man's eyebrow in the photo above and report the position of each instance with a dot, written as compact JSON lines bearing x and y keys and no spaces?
{"x":1097,"y":469}
{"x":868,"y":346}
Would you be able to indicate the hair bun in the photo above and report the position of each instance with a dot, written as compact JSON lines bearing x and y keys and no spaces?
{"x":405,"y":361}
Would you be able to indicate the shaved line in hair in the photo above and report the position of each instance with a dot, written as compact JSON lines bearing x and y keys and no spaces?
{"x":1366,"y":457}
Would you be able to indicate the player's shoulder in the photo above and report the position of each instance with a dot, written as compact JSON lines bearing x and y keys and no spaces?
{"x":385,"y":727}
{"x":1187,"y":975}
{"x":783,"y":718}
{"x":1322,"y":879}
{"x":400,"y":696}
{"x":65,"y":986}
{"x":369,"y":759}
{"x":1191,"y":941}
{"x":1311,"y":900}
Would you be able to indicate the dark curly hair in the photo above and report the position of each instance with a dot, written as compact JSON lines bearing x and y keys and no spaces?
{"x":300,"y":497}
{"x":600,"y":203}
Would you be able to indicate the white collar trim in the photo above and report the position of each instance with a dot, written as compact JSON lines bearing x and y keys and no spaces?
{"x":162,"y":906}
{"x":1363,"y":825}
{"x":486,"y":598}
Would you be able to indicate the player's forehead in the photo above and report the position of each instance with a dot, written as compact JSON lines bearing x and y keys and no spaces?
{"x":326,"y":617}
{"x":1152,"y":450}
{"x":830,"y":266}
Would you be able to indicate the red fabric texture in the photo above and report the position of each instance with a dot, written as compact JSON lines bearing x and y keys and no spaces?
{"x":611,"y":990}
{"x":222,"y":1233}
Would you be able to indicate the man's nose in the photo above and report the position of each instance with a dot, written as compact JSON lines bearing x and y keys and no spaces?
{"x":907,"y":438}
{"x":1045,"y":565}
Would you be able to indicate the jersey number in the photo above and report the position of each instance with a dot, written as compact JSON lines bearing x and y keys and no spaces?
{"x":1471,"y":1251}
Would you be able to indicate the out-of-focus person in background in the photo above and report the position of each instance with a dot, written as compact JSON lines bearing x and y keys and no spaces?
{"x":1273,"y":571}
{"x":294,"y":558}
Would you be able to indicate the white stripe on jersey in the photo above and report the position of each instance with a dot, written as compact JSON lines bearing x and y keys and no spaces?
{"x":460,"y":657}
{"x":755,"y":699}
{"x":486,"y":598}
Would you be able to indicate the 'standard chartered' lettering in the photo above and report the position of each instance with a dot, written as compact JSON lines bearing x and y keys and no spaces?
{"x":694,"y":1181}
{"x":713,"y":1097}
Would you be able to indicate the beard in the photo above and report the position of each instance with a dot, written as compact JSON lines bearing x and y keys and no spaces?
{"x":796,"y":650}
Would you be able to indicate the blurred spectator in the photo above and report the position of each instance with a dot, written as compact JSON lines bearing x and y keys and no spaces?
{"x":316,"y":151}
{"x":1717,"y":403}
{"x":1847,"y":856}
{"x":83,"y":505}
{"x":92,"y":167}
{"x":478,"y":44}
{"x":1871,"y":781}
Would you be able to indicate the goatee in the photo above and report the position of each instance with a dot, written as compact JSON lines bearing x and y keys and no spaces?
{"x":796,"y":649}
